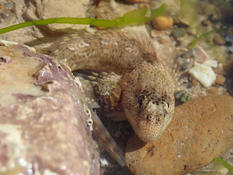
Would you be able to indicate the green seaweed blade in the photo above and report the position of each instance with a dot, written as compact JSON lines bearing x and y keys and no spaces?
{"x":135,"y":17}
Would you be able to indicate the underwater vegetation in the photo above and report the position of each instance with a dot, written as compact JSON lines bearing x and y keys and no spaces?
{"x":135,"y":17}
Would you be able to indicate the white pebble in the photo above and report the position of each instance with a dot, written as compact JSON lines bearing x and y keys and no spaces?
{"x":203,"y":73}
{"x":103,"y":162}
{"x":49,"y":172}
{"x":223,"y":171}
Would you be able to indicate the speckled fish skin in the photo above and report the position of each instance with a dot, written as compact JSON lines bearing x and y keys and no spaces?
{"x":108,"y":51}
{"x":128,"y":55}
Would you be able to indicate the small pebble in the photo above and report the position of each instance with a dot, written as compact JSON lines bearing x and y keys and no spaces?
{"x":163,"y":41}
{"x":213,"y":18}
{"x":178,"y":32}
{"x":181,"y":22}
{"x":104,"y":162}
{"x":213,"y":90}
{"x":200,"y":54}
{"x":218,"y":40}
{"x":184,"y":62}
{"x":203,"y":73}
{"x":205,"y":22}
{"x":194,"y":82}
{"x":223,"y":170}
{"x":220,"y":80}
{"x":218,"y":70}
{"x":162,"y":22}
{"x":211,"y":63}
{"x":154,"y":33}
{"x":1,"y":6}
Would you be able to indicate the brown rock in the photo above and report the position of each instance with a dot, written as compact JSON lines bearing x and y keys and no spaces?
{"x":194,"y":82}
{"x":214,"y":90}
{"x":205,"y":22}
{"x":200,"y":131}
{"x":162,"y":22}
{"x":108,"y":10}
{"x":154,"y":33}
{"x":220,"y":80}
{"x":218,"y":70}
{"x":218,"y":40}
{"x":200,"y":54}
{"x":50,"y":9}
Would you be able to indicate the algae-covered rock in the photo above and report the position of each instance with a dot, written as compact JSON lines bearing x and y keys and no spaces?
{"x":43,"y":121}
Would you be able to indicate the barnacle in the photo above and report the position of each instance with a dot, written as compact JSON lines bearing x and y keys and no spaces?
{"x":106,"y":89}
{"x":108,"y":94}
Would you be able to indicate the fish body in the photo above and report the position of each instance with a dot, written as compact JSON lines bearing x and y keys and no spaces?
{"x":146,"y":84}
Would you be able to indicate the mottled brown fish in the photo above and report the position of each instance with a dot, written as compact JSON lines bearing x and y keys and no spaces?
{"x":146,"y":85}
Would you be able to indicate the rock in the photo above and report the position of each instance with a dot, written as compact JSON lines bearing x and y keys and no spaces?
{"x":220,"y":80}
{"x":194,"y":82}
{"x":178,"y":33}
{"x":135,"y":1}
{"x":11,"y":13}
{"x":43,"y":119}
{"x":14,"y":12}
{"x":109,"y":10}
{"x":205,"y":22}
{"x":162,"y":22}
{"x":200,"y":131}
{"x":203,"y":73}
{"x":213,"y":90}
{"x":219,"y":70}
{"x":211,"y":63}
{"x":200,"y":54}
{"x":50,"y":9}
{"x":154,"y":33}
{"x":213,"y":18}
{"x":218,"y":40}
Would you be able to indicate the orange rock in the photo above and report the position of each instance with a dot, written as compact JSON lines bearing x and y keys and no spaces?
{"x":200,"y":131}
{"x":162,"y":22}
{"x":218,"y":70}
{"x":220,"y":80}
{"x":213,"y":90}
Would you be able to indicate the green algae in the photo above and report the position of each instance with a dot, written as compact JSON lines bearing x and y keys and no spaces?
{"x":135,"y":17}
{"x":219,"y":161}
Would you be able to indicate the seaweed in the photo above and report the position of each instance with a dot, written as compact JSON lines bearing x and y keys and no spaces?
{"x":220,"y":161}
{"x":134,"y":17}
{"x":203,"y":35}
